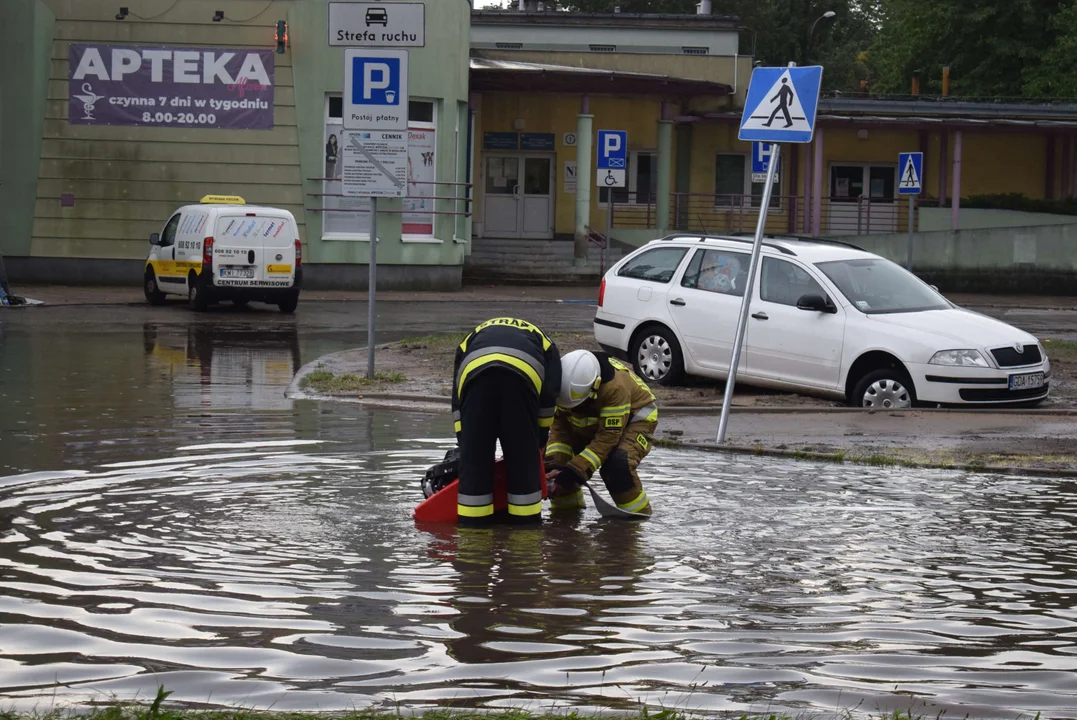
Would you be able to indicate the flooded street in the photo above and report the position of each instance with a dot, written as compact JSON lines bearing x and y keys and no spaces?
{"x":168,"y":517}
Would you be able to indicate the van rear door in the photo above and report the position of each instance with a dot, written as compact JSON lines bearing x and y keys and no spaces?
{"x":247,"y":244}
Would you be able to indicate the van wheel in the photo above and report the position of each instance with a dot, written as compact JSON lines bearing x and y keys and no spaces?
{"x":289,"y":303}
{"x":154,"y":296}
{"x":656,"y":355}
{"x":196,"y":296}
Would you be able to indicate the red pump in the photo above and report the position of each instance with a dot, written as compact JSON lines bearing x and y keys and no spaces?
{"x":441,"y":506}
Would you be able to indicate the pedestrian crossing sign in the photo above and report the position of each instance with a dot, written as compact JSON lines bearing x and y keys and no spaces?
{"x":911,"y":167}
{"x":781,"y":104}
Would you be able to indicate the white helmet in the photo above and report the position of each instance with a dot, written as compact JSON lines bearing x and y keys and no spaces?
{"x":579,"y":377}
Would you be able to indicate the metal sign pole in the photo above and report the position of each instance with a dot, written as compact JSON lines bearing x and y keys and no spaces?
{"x":609,"y":229}
{"x":912,"y":225}
{"x":746,"y":298}
{"x":372,"y":290}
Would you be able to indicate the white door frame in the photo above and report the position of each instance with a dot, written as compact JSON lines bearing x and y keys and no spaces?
{"x":519,"y":193}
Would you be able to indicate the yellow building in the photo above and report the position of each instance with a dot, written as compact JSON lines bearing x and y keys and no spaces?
{"x":543,"y":84}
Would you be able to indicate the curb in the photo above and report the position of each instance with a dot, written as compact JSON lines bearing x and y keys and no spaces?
{"x":689,"y":409}
{"x":844,"y":459}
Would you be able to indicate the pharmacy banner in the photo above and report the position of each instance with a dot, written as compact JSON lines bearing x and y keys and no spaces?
{"x":170,"y":87}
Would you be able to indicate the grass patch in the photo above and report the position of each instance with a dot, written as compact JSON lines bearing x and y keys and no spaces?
{"x":326,"y":382}
{"x":1055,"y":345}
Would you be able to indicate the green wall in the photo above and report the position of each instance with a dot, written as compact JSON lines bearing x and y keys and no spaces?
{"x":25,"y":42}
{"x":437,"y":71}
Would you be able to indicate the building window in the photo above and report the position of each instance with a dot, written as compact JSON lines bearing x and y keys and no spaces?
{"x":694,"y":50}
{"x":348,"y":218}
{"x":733,"y":186}
{"x":603,"y":48}
{"x":642,"y":181}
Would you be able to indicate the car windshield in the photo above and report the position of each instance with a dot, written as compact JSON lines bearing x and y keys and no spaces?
{"x":875,"y":285}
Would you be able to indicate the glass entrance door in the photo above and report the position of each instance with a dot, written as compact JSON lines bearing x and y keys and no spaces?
{"x":519,"y":197}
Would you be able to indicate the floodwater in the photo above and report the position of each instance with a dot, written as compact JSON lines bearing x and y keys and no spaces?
{"x":168,"y":518}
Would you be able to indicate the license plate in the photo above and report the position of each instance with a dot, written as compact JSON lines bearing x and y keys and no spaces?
{"x":1028,"y":381}
{"x":237,"y":272}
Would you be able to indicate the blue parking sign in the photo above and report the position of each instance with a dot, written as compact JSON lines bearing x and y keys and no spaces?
{"x":761,"y":154}
{"x":375,"y":89}
{"x":612,"y":158}
{"x":378,"y":81}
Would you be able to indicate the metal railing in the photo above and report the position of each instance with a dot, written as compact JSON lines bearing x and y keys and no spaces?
{"x":466,"y":199}
{"x":721,"y":213}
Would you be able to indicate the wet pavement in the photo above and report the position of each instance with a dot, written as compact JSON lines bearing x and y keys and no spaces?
{"x":168,"y":517}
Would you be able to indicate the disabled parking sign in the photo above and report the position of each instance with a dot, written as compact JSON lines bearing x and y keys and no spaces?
{"x":612,"y":158}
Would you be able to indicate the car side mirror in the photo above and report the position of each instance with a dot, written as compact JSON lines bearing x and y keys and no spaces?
{"x":155,"y":239}
{"x":816,"y":303}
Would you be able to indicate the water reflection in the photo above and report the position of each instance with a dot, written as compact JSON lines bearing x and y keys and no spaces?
{"x":287,"y":573}
{"x":166,"y":517}
{"x":239,"y":368}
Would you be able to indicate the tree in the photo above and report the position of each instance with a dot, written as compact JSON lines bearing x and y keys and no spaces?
{"x":990,"y":45}
{"x":1056,"y":75}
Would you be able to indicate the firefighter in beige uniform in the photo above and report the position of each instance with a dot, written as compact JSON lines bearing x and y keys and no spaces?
{"x":605,"y":421}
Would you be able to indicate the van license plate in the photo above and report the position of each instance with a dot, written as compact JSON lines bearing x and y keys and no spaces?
{"x":237,"y":272}
{"x":1028,"y":381}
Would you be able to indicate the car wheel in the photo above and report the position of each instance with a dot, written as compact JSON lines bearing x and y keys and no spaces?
{"x":289,"y":304}
{"x":656,"y":355}
{"x":154,"y":296}
{"x":196,"y":296}
{"x":886,"y":389}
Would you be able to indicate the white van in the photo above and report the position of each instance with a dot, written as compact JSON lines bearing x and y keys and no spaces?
{"x":224,"y":249}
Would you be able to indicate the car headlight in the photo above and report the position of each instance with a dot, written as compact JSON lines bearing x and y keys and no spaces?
{"x":959,"y":358}
{"x":1046,"y":361}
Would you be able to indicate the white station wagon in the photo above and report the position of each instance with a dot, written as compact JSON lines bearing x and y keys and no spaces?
{"x":826,"y":318}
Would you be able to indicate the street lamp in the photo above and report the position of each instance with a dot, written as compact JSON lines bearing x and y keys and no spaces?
{"x":807,"y":52}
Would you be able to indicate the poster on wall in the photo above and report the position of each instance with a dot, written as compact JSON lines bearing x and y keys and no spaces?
{"x":340,"y":223}
{"x":170,"y":87}
{"x":419,"y":204}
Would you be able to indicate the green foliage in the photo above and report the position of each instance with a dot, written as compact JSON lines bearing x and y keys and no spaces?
{"x":1056,"y":73}
{"x":1018,"y":201}
{"x":993,"y":47}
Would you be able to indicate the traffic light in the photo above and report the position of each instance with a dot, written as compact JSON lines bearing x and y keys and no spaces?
{"x":282,"y":36}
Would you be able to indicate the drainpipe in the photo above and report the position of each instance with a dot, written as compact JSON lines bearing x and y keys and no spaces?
{"x":955,"y":212}
{"x":817,"y":212}
{"x":584,"y":171}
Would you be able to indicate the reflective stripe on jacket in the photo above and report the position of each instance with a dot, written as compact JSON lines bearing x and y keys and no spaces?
{"x":516,"y":345}
{"x":622,"y":398}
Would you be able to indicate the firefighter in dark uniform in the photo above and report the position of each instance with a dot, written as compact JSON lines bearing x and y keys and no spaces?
{"x":507,"y":374}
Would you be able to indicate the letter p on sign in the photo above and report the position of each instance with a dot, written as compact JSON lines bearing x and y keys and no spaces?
{"x":375,"y":81}
{"x":372,"y":70}
{"x":612,"y":145}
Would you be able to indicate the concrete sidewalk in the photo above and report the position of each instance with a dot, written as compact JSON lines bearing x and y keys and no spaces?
{"x":982,"y":438}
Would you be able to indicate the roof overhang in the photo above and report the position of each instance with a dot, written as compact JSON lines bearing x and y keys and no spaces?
{"x":929,"y":113}
{"x":662,"y":21}
{"x":508,"y":76}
